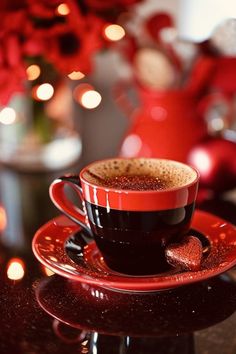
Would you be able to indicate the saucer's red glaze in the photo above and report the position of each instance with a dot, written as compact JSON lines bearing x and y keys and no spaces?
{"x":49,"y":248}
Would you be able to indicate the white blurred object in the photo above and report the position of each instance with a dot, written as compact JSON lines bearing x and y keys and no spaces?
{"x":197,"y":19}
{"x":55,"y":146}
{"x":224,"y":37}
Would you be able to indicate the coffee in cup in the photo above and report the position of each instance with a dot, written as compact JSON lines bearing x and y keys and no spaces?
{"x":133,"y":208}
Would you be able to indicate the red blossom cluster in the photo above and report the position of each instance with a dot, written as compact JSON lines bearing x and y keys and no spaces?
{"x":35,"y":28}
{"x":106,"y":8}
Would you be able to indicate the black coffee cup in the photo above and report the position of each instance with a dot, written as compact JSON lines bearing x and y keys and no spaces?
{"x":133,"y":208}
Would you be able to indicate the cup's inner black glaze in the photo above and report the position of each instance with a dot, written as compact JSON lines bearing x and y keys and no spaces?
{"x":133,"y":242}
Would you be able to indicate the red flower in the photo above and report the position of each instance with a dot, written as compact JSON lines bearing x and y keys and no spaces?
{"x":69,"y":45}
{"x":43,"y":9}
{"x":105,"y":9}
{"x":11,"y":82}
{"x":12,"y":68}
{"x":105,"y":5}
{"x":32,"y":28}
{"x":70,"y":49}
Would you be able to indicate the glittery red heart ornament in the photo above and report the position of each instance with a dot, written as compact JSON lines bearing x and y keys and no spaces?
{"x":186,"y":255}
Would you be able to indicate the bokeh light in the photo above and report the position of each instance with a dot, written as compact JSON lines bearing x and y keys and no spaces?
{"x":91,"y":99}
{"x":217,"y":124}
{"x":33,"y":71}
{"x":87,"y":96}
{"x":44,"y":92}
{"x":63,"y":9}
{"x":158,"y":113}
{"x":47,"y":271}
{"x":201,"y":160}
{"x":131,"y":146}
{"x":15,"y":269}
{"x":80,"y":89}
{"x":76,"y":75}
{"x":3,"y":218}
{"x":7,"y":115}
{"x":114,"y":32}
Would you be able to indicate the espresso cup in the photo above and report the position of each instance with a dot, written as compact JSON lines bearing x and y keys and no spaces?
{"x":133,"y":208}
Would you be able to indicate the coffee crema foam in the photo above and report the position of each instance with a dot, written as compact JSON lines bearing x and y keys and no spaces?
{"x":172,"y":173}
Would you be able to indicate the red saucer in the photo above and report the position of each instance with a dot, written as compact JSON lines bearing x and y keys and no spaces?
{"x":49,"y":248}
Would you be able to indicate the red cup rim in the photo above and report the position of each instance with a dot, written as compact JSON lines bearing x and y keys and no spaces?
{"x":131,"y":191}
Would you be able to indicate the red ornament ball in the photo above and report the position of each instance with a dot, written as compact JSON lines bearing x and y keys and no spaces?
{"x":215,"y":159}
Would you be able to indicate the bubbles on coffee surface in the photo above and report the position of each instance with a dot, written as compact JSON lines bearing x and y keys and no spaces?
{"x":139,"y":174}
{"x":136,"y":182}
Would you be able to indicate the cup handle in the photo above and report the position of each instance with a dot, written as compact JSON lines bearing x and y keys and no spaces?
{"x":61,"y":201}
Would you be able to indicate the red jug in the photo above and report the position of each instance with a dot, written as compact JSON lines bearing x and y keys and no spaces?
{"x":167,"y":124}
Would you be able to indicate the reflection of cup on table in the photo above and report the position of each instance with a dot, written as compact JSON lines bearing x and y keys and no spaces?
{"x":182,"y":310}
{"x":133,"y":208}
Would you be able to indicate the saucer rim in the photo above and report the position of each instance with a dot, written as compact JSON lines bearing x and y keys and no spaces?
{"x":129,"y":283}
